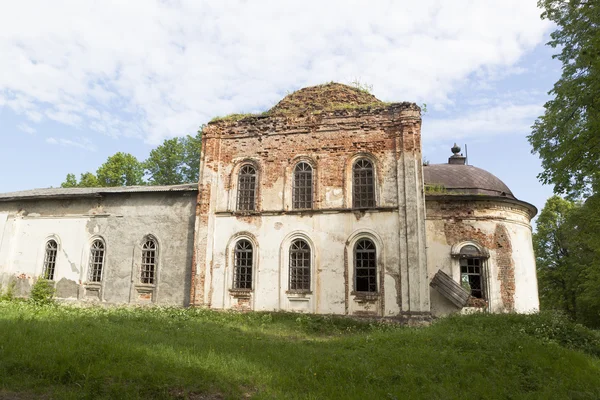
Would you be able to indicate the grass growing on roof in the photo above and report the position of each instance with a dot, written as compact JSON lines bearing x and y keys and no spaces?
{"x":68,"y":352}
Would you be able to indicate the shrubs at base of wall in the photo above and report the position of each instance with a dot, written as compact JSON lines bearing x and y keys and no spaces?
{"x":42,"y":292}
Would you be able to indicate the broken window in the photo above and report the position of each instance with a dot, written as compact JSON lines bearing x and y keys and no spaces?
{"x":243,"y":260}
{"x":363,"y":184}
{"x":246,"y":200}
{"x":303,"y":186}
{"x":50,"y":260}
{"x":96,"y":260}
{"x":365,"y":266}
{"x":149,"y":261}
{"x":471,"y":271}
{"x":299,"y":265}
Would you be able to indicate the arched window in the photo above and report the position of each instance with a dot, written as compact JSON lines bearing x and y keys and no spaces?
{"x":363,"y":184}
{"x":300,"y":265}
{"x":365,"y":266}
{"x":242,"y":278}
{"x":149,"y":261}
{"x":246,"y":199}
{"x":471,"y":271}
{"x":50,"y":260}
{"x":302,"y":196}
{"x":96,"y":263}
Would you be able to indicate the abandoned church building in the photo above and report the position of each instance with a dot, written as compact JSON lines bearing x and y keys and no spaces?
{"x":320,"y":205}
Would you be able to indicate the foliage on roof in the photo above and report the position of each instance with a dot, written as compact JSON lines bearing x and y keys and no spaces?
{"x":316,"y":99}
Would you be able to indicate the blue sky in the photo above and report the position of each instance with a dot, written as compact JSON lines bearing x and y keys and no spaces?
{"x":81,"y":80}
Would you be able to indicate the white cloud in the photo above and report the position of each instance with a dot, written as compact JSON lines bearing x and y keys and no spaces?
{"x":155,"y":69}
{"x":26,"y":128}
{"x":500,"y":119}
{"x":81,"y":142}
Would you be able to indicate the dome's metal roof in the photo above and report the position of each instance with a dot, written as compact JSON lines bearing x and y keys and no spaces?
{"x":464,"y":179}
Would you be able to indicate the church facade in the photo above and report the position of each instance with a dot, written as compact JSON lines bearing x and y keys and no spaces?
{"x":321,"y":205}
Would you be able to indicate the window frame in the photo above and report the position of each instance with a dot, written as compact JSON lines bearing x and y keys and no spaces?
{"x":472,"y":253}
{"x":372,"y":270}
{"x":248,"y":256}
{"x":149,"y":279}
{"x":95,"y":267}
{"x":363,"y":195}
{"x":304,"y":270}
{"x":247,"y":199}
{"x":307,"y":202}
{"x":50,"y":256}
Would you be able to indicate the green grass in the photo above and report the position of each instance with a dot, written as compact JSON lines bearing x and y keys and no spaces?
{"x":68,"y":352}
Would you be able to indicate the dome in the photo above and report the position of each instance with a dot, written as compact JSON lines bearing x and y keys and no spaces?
{"x":329,"y":96}
{"x":465,"y":179}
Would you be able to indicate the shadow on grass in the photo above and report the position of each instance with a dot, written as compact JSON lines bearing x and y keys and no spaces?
{"x":143,"y":355}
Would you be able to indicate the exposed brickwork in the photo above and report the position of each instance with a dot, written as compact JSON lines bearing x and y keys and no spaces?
{"x":506,"y":266}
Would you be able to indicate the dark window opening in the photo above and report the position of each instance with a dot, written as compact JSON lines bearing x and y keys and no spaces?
{"x":363,"y":184}
{"x":299,"y":265}
{"x":246,"y":200}
{"x":50,"y":260}
{"x":303,"y":186}
{"x":242,"y":278}
{"x":365,"y":266}
{"x":96,"y":261}
{"x":471,"y":276}
{"x":149,"y":262}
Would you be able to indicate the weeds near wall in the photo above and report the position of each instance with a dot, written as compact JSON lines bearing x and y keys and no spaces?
{"x":42,"y":292}
{"x":9,"y":293}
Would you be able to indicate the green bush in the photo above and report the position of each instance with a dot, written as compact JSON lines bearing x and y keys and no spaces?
{"x":42,"y":292}
{"x":9,"y":293}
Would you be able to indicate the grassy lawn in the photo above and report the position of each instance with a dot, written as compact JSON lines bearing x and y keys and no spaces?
{"x":68,"y":352}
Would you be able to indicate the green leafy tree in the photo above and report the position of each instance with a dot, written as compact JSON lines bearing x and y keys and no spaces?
{"x":566,"y":137}
{"x":175,"y":161}
{"x":558,"y":277}
{"x":86,"y":180}
{"x":120,"y":169}
{"x":70,"y":181}
{"x":568,"y":258}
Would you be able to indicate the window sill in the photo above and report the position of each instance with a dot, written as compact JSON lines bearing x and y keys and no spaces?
{"x":299,"y":295}
{"x":240,"y":293}
{"x":147,"y":286}
{"x":365,"y":297}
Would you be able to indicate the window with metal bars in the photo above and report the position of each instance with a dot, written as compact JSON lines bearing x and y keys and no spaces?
{"x":300,"y":265}
{"x":471,"y":271}
{"x":149,"y":261}
{"x":50,"y":260}
{"x":302,"y":195}
{"x":96,"y":261}
{"x":246,"y":195}
{"x":363,"y":184}
{"x":242,"y":265}
{"x":365,"y":266}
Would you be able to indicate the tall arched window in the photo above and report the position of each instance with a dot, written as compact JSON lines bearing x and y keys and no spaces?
{"x":50,"y":260}
{"x":246,"y":196}
{"x":242,"y":265}
{"x":363,"y":184}
{"x":300,"y":265}
{"x":149,"y":261}
{"x":471,"y":271}
{"x":96,"y":263}
{"x":365,"y":266}
{"x":302,"y":196}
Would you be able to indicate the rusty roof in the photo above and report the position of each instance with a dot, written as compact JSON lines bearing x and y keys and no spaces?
{"x":61,"y":193}
{"x":464,"y":179}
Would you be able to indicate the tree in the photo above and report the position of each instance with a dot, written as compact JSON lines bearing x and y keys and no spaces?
{"x":86,"y":180}
{"x":568,"y":258}
{"x":566,"y":136}
{"x":175,"y":161}
{"x":120,"y":169}
{"x":164,"y":165}
{"x":557,"y":277}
